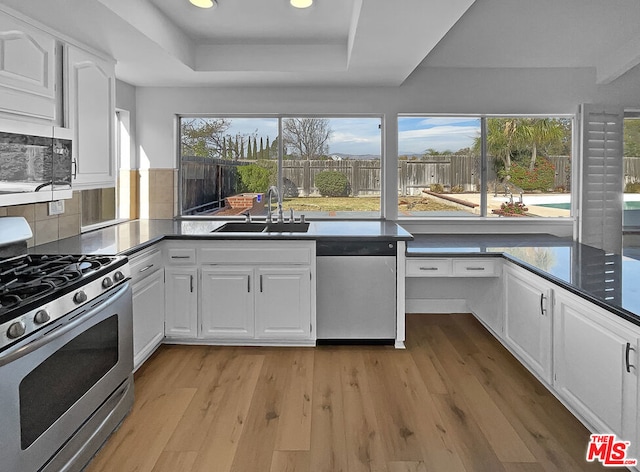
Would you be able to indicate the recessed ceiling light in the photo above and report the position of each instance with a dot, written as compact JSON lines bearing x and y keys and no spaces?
{"x":301,"y":3}
{"x":204,"y":3}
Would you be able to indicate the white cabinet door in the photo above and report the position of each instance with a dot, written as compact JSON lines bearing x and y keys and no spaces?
{"x":283,"y":302}
{"x":91,"y":115}
{"x":27,"y":70}
{"x":596,"y":359}
{"x":528,"y":315}
{"x":227,"y":302}
{"x":181,"y":307}
{"x":148,"y":316}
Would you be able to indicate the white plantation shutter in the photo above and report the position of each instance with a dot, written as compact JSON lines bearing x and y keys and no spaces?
{"x":600,"y":223}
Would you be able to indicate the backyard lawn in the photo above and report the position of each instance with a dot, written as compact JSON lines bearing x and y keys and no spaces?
{"x":301,"y":204}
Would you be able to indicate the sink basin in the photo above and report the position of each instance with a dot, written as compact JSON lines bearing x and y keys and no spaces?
{"x":242,"y":227}
{"x":297,"y":227}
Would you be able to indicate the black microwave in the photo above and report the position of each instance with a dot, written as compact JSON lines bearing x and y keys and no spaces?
{"x":35,"y":164}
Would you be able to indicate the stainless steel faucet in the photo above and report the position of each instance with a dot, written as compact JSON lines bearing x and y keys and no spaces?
{"x":273,"y":189}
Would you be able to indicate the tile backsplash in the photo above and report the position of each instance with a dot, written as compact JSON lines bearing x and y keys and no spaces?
{"x":45,"y":227}
{"x":158,"y":193}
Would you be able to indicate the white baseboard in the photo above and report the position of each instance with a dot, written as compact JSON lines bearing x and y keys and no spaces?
{"x":424,"y":305}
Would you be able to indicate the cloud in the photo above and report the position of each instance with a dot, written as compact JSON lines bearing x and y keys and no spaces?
{"x":440,"y":138}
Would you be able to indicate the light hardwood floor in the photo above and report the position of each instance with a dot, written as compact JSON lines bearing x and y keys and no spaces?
{"x":454,"y":400}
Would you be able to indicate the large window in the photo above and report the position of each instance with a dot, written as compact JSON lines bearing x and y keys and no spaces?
{"x":484,"y":166}
{"x":323,"y":167}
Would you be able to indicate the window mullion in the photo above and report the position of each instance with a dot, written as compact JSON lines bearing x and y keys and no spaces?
{"x":483,"y":166}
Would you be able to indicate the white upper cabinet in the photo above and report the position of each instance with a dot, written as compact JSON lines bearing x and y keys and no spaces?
{"x":90,"y":106}
{"x":27,"y":71}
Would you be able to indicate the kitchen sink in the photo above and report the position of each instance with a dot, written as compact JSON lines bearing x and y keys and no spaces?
{"x":238,"y":227}
{"x":241,"y":227}
{"x":298,"y":227}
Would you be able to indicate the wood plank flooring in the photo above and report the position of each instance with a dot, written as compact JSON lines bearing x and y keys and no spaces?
{"x":454,"y":400}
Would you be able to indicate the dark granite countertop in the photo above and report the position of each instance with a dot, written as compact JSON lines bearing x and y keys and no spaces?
{"x":132,"y":236}
{"x":608,"y":280}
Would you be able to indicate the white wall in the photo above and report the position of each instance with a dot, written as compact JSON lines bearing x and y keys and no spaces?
{"x":126,"y":100}
{"x":427,"y":90}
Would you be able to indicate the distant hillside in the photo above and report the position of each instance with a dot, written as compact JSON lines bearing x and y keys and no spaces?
{"x":358,"y":157}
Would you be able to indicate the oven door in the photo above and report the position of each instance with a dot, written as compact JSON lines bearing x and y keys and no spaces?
{"x":52,"y":384}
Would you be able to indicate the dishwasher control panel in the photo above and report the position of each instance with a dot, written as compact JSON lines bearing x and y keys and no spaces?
{"x":355,"y":248}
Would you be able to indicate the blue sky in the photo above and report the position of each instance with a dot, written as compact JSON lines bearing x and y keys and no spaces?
{"x":417,"y":134}
{"x":362,"y":136}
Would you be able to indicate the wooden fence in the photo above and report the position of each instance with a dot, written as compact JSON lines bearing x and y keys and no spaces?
{"x":211,"y":180}
{"x":206,"y":182}
{"x":363,"y":175}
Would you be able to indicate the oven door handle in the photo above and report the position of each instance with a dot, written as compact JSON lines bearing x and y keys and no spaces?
{"x":62,"y":329}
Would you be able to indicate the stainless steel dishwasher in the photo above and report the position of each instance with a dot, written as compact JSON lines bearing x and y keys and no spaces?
{"x":356,"y":291}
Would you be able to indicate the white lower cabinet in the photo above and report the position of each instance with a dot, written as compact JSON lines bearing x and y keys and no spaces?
{"x":283,"y":310}
{"x":227,"y":302}
{"x":147,"y":286}
{"x":528,"y":318}
{"x":596,"y":366}
{"x":241,"y":292}
{"x":148,"y":316}
{"x":181,"y":302}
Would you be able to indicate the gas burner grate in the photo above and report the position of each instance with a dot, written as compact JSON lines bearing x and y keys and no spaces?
{"x":26,"y":278}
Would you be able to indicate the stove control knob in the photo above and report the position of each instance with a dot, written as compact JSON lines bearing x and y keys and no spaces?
{"x":41,"y":317}
{"x":118,"y":276}
{"x":16,"y":330}
{"x":80,"y":297}
{"x":107,"y":282}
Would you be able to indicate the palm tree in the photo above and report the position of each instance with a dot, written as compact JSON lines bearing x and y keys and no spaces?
{"x":507,"y":137}
{"x":536,"y":133}
{"x":501,"y":140}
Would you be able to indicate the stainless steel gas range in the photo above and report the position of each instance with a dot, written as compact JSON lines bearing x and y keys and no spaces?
{"x":66,"y":357}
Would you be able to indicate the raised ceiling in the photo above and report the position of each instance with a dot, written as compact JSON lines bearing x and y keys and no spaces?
{"x":343,"y":42}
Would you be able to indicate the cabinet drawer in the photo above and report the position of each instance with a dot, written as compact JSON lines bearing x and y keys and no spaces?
{"x":177,"y":256}
{"x":262,"y":252}
{"x":475,"y":268}
{"x":428,"y":267}
{"x":145,"y":264}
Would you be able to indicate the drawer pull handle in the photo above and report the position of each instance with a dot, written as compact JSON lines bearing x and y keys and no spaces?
{"x":191,"y":283}
{"x":248,"y":284}
{"x":474,"y":268}
{"x":144,"y":269}
{"x":428,"y":268}
{"x":180,"y":257}
{"x":626,"y":357}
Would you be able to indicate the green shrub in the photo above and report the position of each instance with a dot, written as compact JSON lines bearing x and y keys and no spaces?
{"x":255,"y":178}
{"x":632,"y":187}
{"x":541,"y":178}
{"x":289,"y":188}
{"x":332,"y":184}
{"x":437,"y":188}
